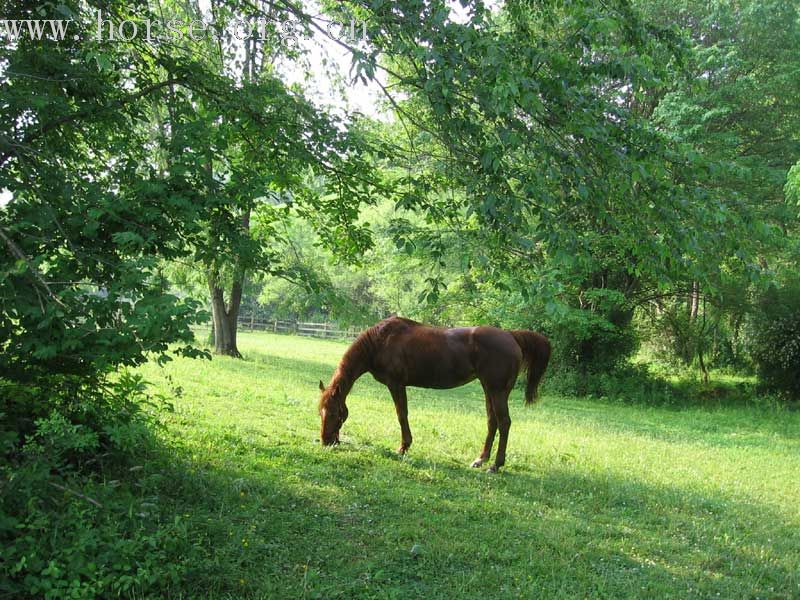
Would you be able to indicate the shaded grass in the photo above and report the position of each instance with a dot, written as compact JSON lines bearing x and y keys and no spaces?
{"x":597,"y":499}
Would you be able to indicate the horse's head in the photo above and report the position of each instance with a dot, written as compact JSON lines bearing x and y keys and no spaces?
{"x":333,"y":412}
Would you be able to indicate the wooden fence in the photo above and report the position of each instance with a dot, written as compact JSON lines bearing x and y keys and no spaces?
{"x":322,"y":330}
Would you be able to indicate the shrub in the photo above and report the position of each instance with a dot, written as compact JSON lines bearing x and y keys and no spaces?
{"x":71,"y":522}
{"x":79,"y":537}
{"x":626,"y":383}
{"x":774,"y":339}
{"x":588,"y":346}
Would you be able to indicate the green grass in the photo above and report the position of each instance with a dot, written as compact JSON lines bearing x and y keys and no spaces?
{"x":597,"y":499}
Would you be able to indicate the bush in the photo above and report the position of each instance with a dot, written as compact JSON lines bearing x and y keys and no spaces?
{"x":586,"y":347}
{"x":70,"y":420}
{"x":80,"y":537}
{"x":71,"y":518}
{"x":774,"y":339}
{"x":625,"y":383}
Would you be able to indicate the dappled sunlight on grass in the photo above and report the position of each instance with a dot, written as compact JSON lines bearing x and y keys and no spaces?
{"x":597,"y":499}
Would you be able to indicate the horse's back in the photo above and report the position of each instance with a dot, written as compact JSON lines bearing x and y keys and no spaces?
{"x":435,"y":357}
{"x":496,"y":340}
{"x":408,"y":353}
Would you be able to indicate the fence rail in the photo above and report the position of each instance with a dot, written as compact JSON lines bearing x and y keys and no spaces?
{"x":322,"y":330}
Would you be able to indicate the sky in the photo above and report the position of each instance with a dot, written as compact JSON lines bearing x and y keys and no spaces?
{"x":365,"y":98}
{"x":326,"y":62}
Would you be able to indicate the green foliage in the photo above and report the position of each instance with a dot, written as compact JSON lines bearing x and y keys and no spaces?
{"x":775,"y":338}
{"x":597,"y":348}
{"x":74,"y":537}
{"x":792,"y":188}
{"x":66,"y":488}
{"x":74,"y":421}
{"x":634,"y":384}
{"x":317,"y":283}
{"x":717,"y":333}
{"x":730,"y":103}
{"x":529,"y":144}
{"x":91,"y":216}
{"x":733,"y":103}
{"x":57,"y":439}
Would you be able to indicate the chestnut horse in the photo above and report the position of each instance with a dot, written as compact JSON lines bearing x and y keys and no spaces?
{"x":399,"y":353}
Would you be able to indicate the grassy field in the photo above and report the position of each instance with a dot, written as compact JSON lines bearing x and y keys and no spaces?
{"x":598,"y":499}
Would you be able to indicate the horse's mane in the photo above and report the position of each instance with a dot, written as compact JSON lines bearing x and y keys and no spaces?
{"x":353,"y":363}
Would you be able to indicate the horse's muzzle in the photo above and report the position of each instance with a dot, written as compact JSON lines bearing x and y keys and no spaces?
{"x":334,"y":441}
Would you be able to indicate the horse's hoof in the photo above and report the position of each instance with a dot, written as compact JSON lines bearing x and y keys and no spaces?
{"x":477,"y":463}
{"x":493,"y":469}
{"x":402,"y":450}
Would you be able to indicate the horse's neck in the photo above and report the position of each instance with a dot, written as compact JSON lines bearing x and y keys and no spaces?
{"x":352,"y":366}
{"x":347,"y":375}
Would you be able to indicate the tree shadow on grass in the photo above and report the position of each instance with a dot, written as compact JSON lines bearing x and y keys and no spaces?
{"x":690,"y":543}
{"x":297,"y":520}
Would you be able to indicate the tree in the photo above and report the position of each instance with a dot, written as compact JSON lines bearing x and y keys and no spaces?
{"x":542,"y":158}
{"x":125,"y":155}
{"x":90,"y":216}
{"x":267,"y":153}
{"x":731,"y":101}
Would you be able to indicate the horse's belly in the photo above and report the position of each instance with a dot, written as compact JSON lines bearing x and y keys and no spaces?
{"x":441,"y":383}
{"x":429,"y":377}
{"x":438,"y":374}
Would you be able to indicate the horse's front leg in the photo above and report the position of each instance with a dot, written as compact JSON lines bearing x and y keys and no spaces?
{"x":401,"y":406}
{"x":491,"y":429}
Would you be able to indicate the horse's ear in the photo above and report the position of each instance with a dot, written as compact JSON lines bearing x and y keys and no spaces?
{"x":321,"y":386}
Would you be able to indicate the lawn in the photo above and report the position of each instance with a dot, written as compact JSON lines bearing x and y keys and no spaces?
{"x":598,"y":499}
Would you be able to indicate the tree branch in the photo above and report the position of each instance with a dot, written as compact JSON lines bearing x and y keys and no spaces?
{"x":81,"y":114}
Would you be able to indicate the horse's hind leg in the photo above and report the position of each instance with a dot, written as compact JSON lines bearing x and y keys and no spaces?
{"x":401,"y":406}
{"x":491,"y":429}
{"x":500,"y":406}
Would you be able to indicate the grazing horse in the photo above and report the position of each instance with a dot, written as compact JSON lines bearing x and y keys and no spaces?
{"x":399,"y":353}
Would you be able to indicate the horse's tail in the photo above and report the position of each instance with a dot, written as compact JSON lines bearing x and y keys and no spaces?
{"x":535,"y":356}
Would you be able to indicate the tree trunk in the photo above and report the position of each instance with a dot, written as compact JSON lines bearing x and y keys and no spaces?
{"x":694,"y":301}
{"x":225,"y":317}
{"x":700,"y":341}
{"x":703,"y":368}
